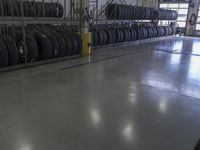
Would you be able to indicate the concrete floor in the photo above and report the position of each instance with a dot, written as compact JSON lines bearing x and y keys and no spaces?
{"x":144,"y":97}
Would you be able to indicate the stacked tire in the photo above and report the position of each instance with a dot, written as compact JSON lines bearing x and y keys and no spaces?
{"x":121,"y":12}
{"x":32,"y":9}
{"x":51,"y":44}
{"x":118,"y":11}
{"x":167,"y":14}
{"x":108,"y":35}
{"x":9,"y":54}
{"x":39,"y":46}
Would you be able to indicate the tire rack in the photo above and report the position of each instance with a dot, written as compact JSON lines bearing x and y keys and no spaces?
{"x":71,"y":19}
{"x":97,"y":21}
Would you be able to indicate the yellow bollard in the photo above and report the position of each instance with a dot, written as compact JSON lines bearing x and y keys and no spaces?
{"x":86,"y":38}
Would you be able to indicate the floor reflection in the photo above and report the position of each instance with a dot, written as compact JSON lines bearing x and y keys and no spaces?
{"x":196,"y":48}
{"x":128,"y":132}
{"x":133,"y":91}
{"x":194,"y":68}
{"x":25,"y":146}
{"x":175,"y":59}
{"x":163,"y":105}
{"x":181,"y":72}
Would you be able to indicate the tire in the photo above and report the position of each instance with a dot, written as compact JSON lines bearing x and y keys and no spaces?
{"x":44,"y":46}
{"x":80,"y":44}
{"x":4,"y":60}
{"x":118,"y":36}
{"x":105,"y":37}
{"x":139,"y":33}
{"x":124,"y":35}
{"x":38,"y":9}
{"x":32,"y":47}
{"x":16,"y":10}
{"x":133,"y":34}
{"x":31,"y":9}
{"x":13,"y":52}
{"x":74,"y":44}
{"x":47,"y":10}
{"x":108,"y":36}
{"x":94,"y":38}
{"x":128,"y":33}
{"x":60,"y":10}
{"x":26,"y":8}
{"x":54,"y":43}
{"x":8,"y":8}
{"x":61,"y":42}
{"x":112,"y":31}
{"x":68,"y":44}
{"x":54,"y":10}
{"x":100,"y":38}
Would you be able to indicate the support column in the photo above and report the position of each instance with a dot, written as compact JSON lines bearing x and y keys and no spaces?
{"x":86,"y":35}
{"x":192,"y":17}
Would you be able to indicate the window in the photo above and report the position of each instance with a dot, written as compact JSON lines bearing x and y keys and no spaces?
{"x":181,"y":8}
{"x":198,"y":20}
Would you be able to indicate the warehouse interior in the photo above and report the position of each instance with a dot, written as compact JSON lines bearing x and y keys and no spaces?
{"x":99,"y":74}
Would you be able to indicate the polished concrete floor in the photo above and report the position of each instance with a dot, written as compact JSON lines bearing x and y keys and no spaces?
{"x":144,"y":97}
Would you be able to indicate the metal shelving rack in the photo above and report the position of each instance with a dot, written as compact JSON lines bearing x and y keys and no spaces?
{"x":99,"y":19}
{"x":74,"y":17}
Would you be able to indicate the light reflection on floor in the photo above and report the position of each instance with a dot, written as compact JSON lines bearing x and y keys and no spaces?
{"x":181,"y":54}
{"x":140,"y":101}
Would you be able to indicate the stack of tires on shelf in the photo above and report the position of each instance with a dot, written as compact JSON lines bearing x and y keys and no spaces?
{"x":40,"y":44}
{"x":31,"y":9}
{"x":109,"y":35}
{"x":167,"y":14}
{"x":121,"y":12}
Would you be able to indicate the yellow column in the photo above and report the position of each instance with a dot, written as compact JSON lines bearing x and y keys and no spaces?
{"x":86,"y":38}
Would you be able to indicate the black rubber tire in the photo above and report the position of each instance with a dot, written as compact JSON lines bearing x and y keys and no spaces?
{"x":68,"y":44}
{"x":27,"y":9}
{"x":133,"y":34}
{"x":109,"y":36}
{"x":124,"y":35}
{"x":61,"y":42}
{"x":54,"y":10}
{"x":60,"y":10}
{"x":139,"y":36}
{"x":75,"y":43}
{"x":51,"y":10}
{"x":32,"y":47}
{"x":94,"y":38}
{"x":8,"y":8}
{"x":118,"y":36}
{"x":31,"y":9}
{"x":13,"y":52}
{"x":100,"y":38}
{"x":47,"y":10}
{"x":44,"y":46}
{"x":54,"y":43}
{"x":80,"y":44}
{"x":38,"y":9}
{"x":16,"y":9}
{"x":4,"y":60}
{"x":112,"y":31}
